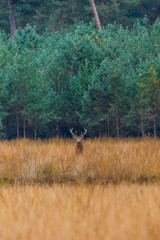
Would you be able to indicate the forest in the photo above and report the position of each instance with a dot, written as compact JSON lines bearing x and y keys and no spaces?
{"x":58,"y":70}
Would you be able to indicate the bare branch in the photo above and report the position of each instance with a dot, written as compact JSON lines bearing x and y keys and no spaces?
{"x":93,"y":6}
{"x":15,"y":5}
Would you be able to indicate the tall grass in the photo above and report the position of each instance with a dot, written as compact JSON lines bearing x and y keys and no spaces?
{"x":103,"y":161}
{"x":123,"y":211}
{"x":80,"y":212}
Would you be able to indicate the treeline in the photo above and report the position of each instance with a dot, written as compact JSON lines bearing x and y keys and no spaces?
{"x":106,"y":81}
{"x":60,"y":14}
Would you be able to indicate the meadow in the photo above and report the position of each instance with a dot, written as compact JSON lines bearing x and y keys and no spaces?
{"x":103,"y":161}
{"x":111,"y":191}
{"x":125,"y":212}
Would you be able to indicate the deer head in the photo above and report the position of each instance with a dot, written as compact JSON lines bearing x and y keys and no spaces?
{"x":78,"y":137}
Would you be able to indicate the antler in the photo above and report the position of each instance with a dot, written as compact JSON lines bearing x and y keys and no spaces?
{"x":78,"y":137}
{"x":75,"y":136}
{"x":85,"y":131}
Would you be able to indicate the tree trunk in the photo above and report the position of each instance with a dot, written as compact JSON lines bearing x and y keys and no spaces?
{"x":27,"y":127}
{"x":17,"y":121}
{"x":53,"y":128}
{"x":105,"y":128}
{"x":93,"y":6}
{"x":154,"y":124}
{"x":100,"y":130}
{"x":37,"y":19}
{"x":24,"y":127}
{"x":35,"y":133}
{"x":57,"y":129}
{"x":142,"y":125}
{"x":108,"y":123}
{"x":5,"y":130}
{"x":102,"y":3}
{"x":35,"y":129}
{"x":12,"y":18}
{"x":117,"y":122}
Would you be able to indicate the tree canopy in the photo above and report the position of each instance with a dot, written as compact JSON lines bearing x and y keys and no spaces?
{"x":106,"y":81}
{"x":58,"y":71}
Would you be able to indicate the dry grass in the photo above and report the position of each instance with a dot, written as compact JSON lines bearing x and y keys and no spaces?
{"x":104,"y":160}
{"x":124,"y":212}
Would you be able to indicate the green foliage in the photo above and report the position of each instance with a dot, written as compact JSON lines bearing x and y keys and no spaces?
{"x":107,"y":82}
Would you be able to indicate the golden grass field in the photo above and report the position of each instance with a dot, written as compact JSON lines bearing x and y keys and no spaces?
{"x":110,"y":192}
{"x":124,"y":212}
{"x":104,"y":161}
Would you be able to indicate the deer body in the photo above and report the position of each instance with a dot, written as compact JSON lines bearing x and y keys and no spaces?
{"x":79,"y":147}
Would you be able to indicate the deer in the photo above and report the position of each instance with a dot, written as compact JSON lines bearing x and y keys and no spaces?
{"x":79,"y":147}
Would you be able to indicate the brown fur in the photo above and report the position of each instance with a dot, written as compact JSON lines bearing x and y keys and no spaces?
{"x":79,"y":148}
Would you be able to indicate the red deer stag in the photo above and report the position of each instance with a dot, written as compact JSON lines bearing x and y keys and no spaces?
{"x":79,"y":146}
